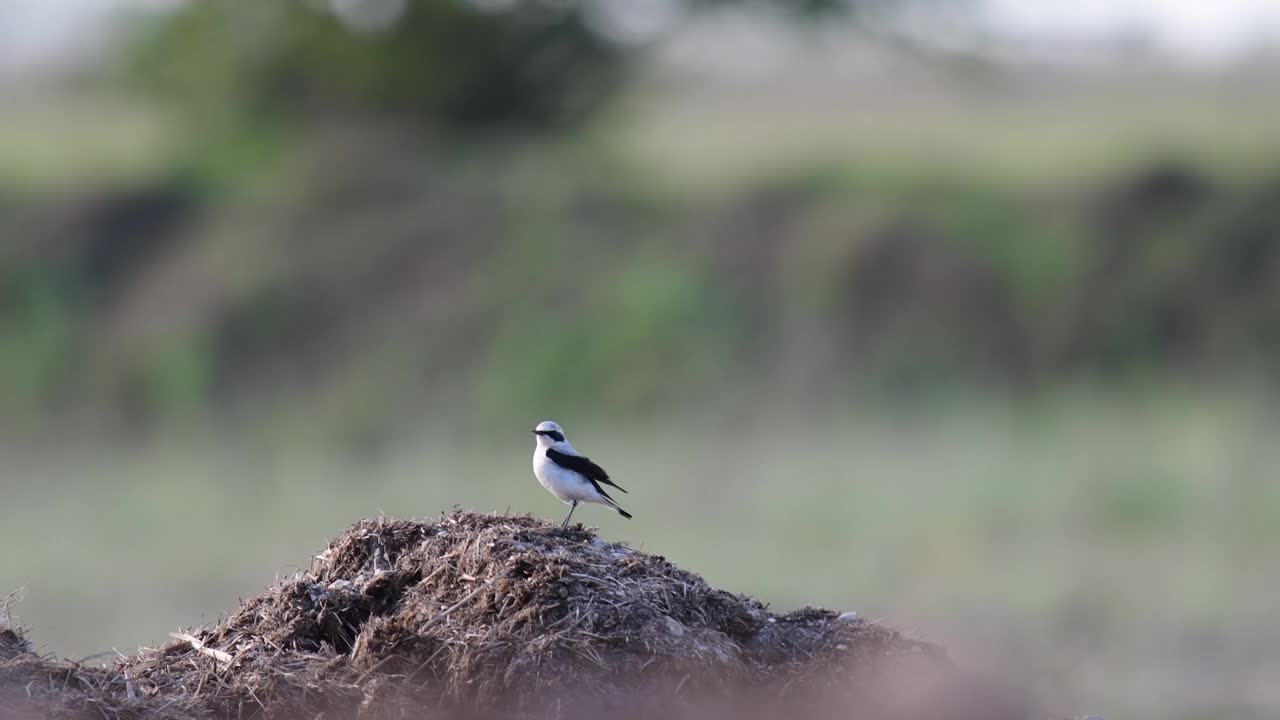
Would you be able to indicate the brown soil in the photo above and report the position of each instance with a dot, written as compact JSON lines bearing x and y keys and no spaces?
{"x":499,"y":615}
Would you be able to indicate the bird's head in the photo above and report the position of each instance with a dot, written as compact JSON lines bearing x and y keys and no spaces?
{"x":549,"y":433}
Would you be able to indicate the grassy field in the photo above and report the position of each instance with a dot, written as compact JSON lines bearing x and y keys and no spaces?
{"x":1113,"y":550}
{"x":1010,"y":129}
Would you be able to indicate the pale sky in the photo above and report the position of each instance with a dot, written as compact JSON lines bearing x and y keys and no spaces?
{"x":1197,"y":30}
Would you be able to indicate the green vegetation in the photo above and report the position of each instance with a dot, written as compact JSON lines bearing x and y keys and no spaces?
{"x":272,"y":220}
{"x":1087,"y":535}
{"x":441,"y":67}
{"x":524,"y":278}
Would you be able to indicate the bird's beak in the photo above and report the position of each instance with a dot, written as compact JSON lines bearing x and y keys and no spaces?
{"x":537,"y":432}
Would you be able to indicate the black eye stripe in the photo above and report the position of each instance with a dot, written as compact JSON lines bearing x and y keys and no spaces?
{"x":554,"y":435}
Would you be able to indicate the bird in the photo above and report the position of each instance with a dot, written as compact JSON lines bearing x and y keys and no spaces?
{"x":568,"y":474}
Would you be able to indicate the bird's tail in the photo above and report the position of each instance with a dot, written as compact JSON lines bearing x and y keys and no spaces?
{"x":613,"y":504}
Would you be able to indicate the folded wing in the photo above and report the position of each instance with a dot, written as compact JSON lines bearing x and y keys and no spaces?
{"x":582,"y":465}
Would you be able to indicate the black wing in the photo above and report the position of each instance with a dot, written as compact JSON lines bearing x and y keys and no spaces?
{"x":584,"y":467}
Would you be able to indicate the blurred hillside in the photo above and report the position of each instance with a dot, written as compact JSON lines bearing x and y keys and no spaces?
{"x":258,"y":216}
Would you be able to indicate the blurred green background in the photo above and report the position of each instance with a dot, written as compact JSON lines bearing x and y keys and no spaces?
{"x":958,"y":315}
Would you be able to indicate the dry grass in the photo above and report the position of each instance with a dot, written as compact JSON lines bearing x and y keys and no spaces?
{"x":486,"y":615}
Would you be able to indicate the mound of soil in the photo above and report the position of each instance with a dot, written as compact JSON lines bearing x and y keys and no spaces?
{"x":32,"y":687}
{"x":498,"y":615}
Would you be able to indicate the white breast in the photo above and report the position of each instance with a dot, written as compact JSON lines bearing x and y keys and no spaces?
{"x":564,"y":484}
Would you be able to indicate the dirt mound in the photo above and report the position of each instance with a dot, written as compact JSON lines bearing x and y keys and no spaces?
{"x":12,"y":643}
{"x":32,"y":687}
{"x":502,"y":615}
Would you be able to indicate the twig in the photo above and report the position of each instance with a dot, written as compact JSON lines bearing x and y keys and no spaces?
{"x":432,"y":575}
{"x":444,"y":613}
{"x":7,"y":601}
{"x":194,"y":642}
{"x":11,"y":597}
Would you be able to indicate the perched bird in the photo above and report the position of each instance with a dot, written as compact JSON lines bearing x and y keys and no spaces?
{"x":567,"y":473}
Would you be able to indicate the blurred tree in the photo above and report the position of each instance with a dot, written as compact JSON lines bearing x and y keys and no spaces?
{"x":443,"y":63}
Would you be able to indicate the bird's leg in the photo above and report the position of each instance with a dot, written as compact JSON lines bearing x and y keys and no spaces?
{"x":572,"y":507}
